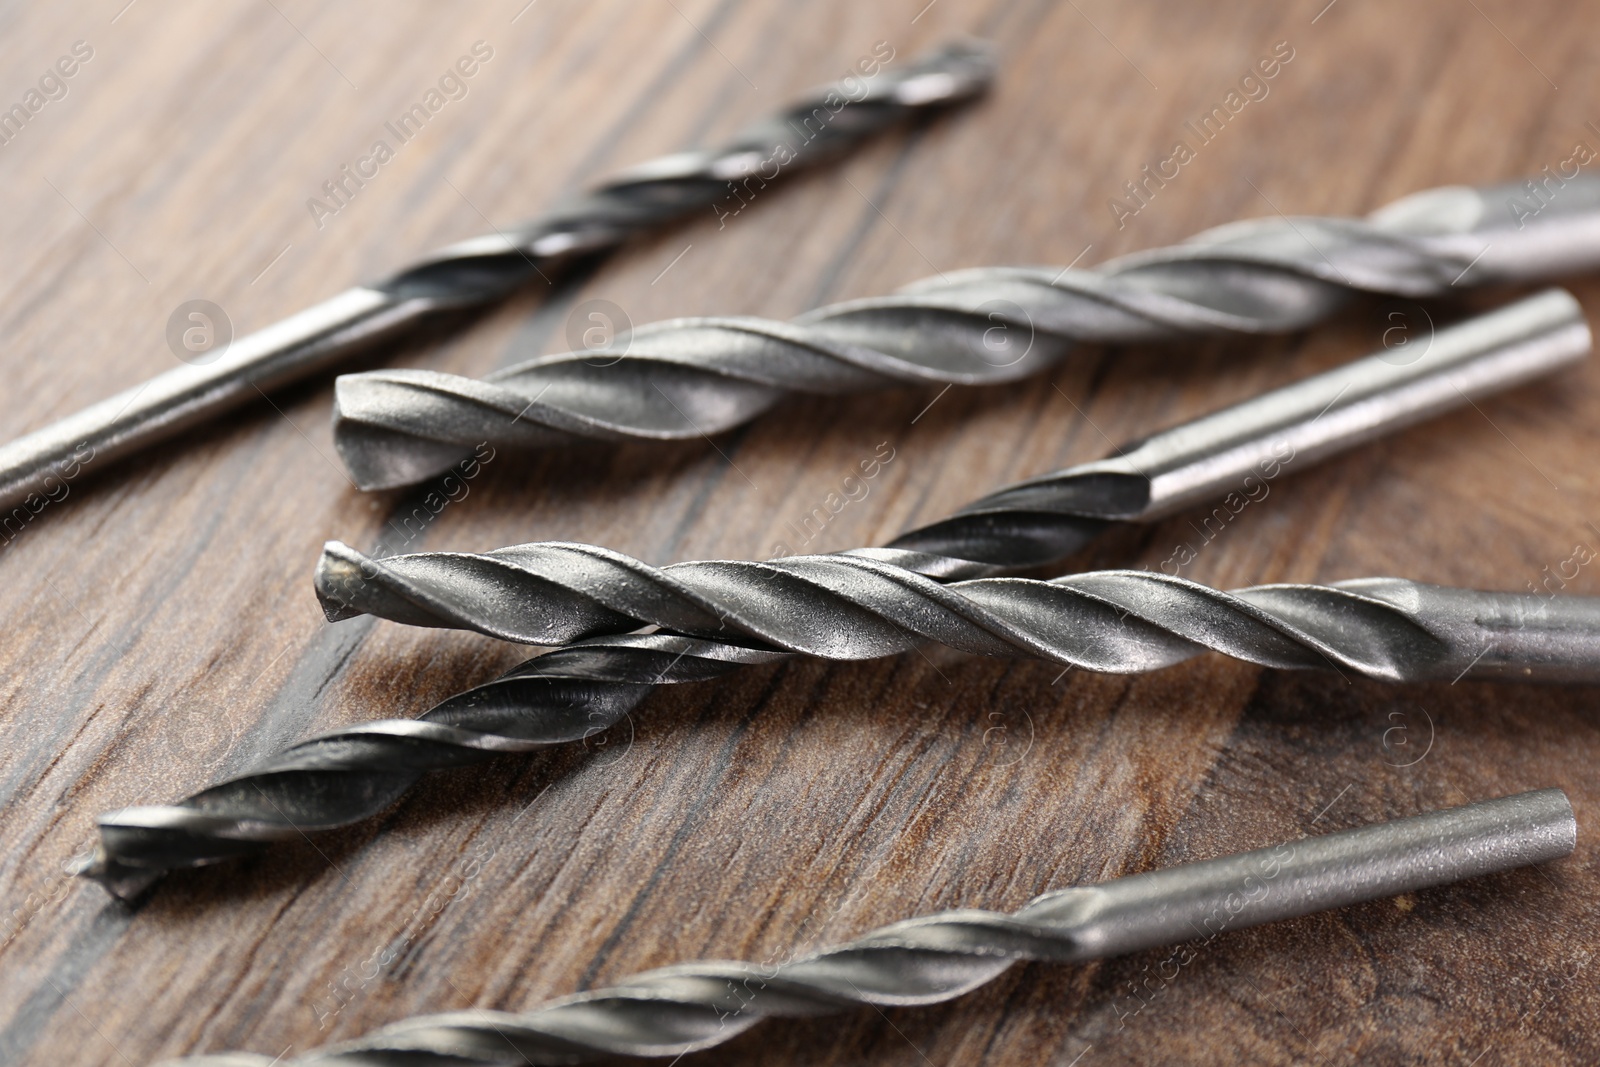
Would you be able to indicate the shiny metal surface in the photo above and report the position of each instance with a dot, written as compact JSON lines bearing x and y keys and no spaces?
{"x":876,"y":602}
{"x":482,"y":270}
{"x":848,"y":607}
{"x":548,"y":594}
{"x":935,"y":958}
{"x":686,"y":377}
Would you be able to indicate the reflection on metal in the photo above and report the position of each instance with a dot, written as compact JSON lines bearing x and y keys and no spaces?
{"x":686,"y":377}
{"x":485,"y":269}
{"x":876,"y":602}
{"x":693,"y":1006}
{"x":544,"y":594}
{"x":847,"y":607}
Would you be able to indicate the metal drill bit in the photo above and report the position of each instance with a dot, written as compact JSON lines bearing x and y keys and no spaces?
{"x":554,"y":592}
{"x":849,"y":607}
{"x":685,"y":1008}
{"x":486,"y":269}
{"x":573,"y":693}
{"x":685,"y":378}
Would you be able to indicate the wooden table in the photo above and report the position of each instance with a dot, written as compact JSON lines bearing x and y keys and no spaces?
{"x":163,"y":633}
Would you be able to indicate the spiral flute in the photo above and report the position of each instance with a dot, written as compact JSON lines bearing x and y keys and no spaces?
{"x":875,"y":602}
{"x":552,"y":593}
{"x":849,"y":607}
{"x":486,"y":269}
{"x":936,"y":958}
{"x":684,"y":378}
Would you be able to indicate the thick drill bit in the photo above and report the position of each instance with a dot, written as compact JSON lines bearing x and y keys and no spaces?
{"x":486,"y":269}
{"x":685,"y":1008}
{"x":555,"y":592}
{"x":685,"y":378}
{"x":849,"y":607}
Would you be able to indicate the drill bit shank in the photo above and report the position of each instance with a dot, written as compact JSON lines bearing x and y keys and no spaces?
{"x":483,"y":270}
{"x":689,"y":1007}
{"x":684,"y":378}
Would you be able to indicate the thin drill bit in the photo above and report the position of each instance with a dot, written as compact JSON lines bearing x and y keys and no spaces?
{"x":554,"y":592}
{"x":1109,"y":621}
{"x":847,"y":608}
{"x":693,"y":1006}
{"x":486,"y":269}
{"x":685,"y":378}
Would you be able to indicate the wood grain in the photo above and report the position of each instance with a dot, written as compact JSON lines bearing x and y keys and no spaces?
{"x":163,"y":631}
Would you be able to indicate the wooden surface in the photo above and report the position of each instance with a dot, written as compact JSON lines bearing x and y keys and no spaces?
{"x":162,"y":629}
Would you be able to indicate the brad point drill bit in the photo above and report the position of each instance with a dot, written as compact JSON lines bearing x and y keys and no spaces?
{"x":684,"y":378}
{"x":483,"y":270}
{"x":935,"y":958}
{"x":857,"y":605}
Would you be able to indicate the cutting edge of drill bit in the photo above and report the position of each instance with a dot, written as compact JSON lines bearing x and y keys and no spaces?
{"x":935,"y":958}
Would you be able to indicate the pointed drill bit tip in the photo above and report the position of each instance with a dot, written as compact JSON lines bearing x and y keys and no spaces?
{"x":128,"y":884}
{"x":339,"y":568}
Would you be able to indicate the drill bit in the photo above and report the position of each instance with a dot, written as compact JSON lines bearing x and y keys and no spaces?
{"x":935,"y":958}
{"x":555,"y":592}
{"x":573,"y":693}
{"x":483,"y":270}
{"x":685,"y":378}
{"x":847,"y":608}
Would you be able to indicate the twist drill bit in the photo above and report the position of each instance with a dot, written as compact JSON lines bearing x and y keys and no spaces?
{"x":846,"y":608}
{"x":554,"y":592}
{"x":483,"y":270}
{"x":576,"y":692}
{"x":684,"y":378}
{"x":689,"y":1007}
